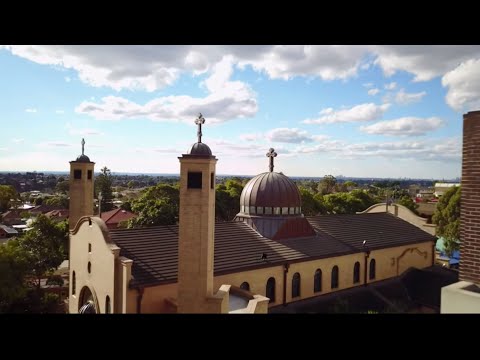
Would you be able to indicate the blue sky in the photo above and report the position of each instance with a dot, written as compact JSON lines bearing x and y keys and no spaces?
{"x":363,"y":111}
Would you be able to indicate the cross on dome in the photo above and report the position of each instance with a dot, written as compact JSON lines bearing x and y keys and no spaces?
{"x":199,"y":121}
{"x":271,"y":154}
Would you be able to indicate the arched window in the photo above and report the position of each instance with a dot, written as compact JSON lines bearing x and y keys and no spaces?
{"x":86,"y":303}
{"x":372,"y":269}
{"x":317,"y":281}
{"x":296,"y":285}
{"x":74,"y":283}
{"x":108,"y":310}
{"x":356,"y":273}
{"x":335,"y":277}
{"x":245,"y":286}
{"x":270,"y":293}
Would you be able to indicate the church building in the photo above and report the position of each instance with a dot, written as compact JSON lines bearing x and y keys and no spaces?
{"x":269,"y":255}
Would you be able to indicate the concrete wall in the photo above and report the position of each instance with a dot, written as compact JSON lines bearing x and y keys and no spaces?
{"x":389,"y":263}
{"x":153,"y":300}
{"x":80,"y":192}
{"x":102,"y":258}
{"x":461,"y":297}
{"x":196,"y":235}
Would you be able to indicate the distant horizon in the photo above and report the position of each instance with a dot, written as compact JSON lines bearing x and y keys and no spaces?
{"x":377,"y":111}
{"x":236,"y":175}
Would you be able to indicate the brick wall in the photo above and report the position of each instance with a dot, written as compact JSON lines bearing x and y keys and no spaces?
{"x":470,"y":199}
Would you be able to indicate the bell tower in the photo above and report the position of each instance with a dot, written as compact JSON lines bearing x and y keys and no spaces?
{"x":196,"y":229}
{"x":81,"y":188}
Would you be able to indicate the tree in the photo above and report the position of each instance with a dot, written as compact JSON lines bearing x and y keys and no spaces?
{"x":13,"y":268}
{"x":227,"y":199}
{"x":103,"y":184}
{"x":348,"y":203}
{"x":7,"y":192}
{"x":39,"y":201}
{"x":447,"y":218}
{"x":60,"y":201}
{"x":310,"y":205}
{"x":45,"y":246}
{"x":408,"y":203}
{"x":158,"y":205}
{"x":126,"y":205}
{"x":350,"y":184}
{"x":327,"y":184}
{"x":62,"y":187}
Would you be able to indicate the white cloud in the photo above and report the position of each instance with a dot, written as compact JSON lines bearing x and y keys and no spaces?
{"x":3,"y":149}
{"x":31,"y":110}
{"x":85,"y":131}
{"x":283,"y":135}
{"x":229,"y":148}
{"x":391,"y":86}
{"x":373,"y":92}
{"x":406,"y":126}
{"x":328,"y":62}
{"x":250,"y":137}
{"x":227,"y":100}
{"x":362,"y":112}
{"x":154,"y":67}
{"x":424,"y":62}
{"x":287,"y":135}
{"x":368,"y":85}
{"x":441,"y":150}
{"x":320,"y":137}
{"x":18,"y":141}
{"x":463,"y":86}
{"x":67,"y":79}
{"x":60,"y":111}
{"x":326,"y":146}
{"x":404,"y":98}
{"x":50,"y":144}
{"x":167,"y":150}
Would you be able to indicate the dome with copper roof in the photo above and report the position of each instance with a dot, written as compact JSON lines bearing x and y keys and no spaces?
{"x":271,"y":204}
{"x":270,"y":193}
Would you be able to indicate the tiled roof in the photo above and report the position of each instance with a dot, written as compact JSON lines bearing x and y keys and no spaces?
{"x":380,"y":230}
{"x":11,"y":214}
{"x":116,"y":216}
{"x":238,"y":247}
{"x":8,"y":229}
{"x":61,"y":214}
{"x":46,"y":208}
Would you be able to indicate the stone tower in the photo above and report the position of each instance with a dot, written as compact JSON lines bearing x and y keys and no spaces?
{"x":81,"y":188}
{"x":196,"y":229}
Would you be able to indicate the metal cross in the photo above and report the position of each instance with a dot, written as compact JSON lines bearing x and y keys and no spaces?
{"x":199,"y":121}
{"x":83,"y":145}
{"x":271,"y":154}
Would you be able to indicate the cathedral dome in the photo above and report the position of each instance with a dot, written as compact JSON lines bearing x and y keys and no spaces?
{"x":200,"y":149}
{"x":270,"y":193}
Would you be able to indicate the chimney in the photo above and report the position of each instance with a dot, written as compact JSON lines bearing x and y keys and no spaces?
{"x":470,"y":200}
